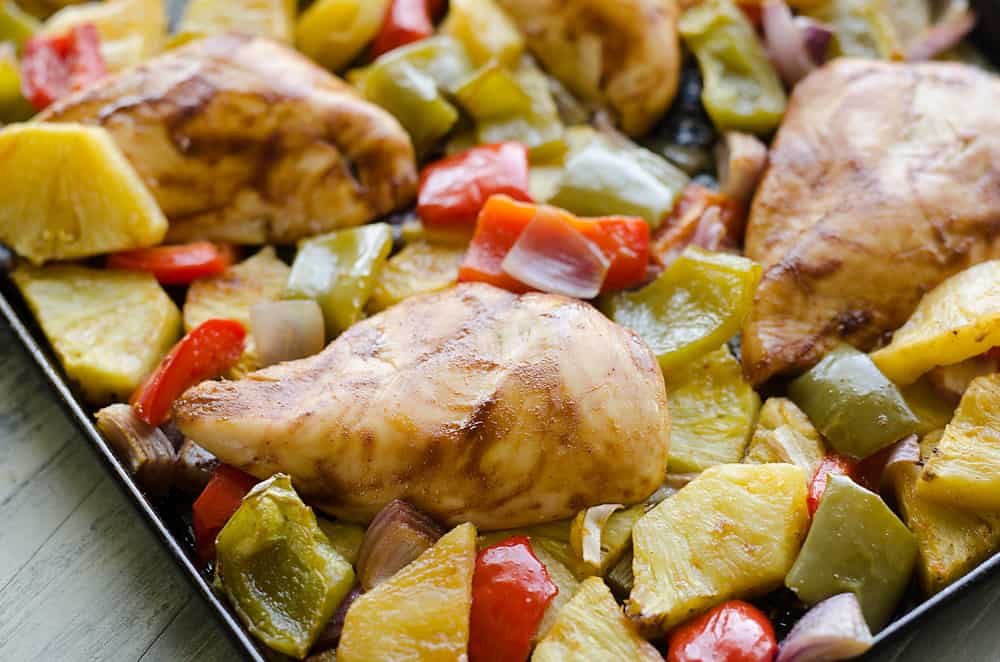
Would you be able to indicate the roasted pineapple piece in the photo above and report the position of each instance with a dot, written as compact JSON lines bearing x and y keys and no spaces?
{"x":67,"y":192}
{"x":421,"y":267}
{"x":951,"y":542}
{"x":592,"y":627}
{"x":712,"y":410}
{"x":732,"y":532}
{"x":230,"y":296}
{"x":422,"y":612}
{"x":108,"y":328}
{"x":274,"y":19}
{"x":785,"y":434}
{"x":958,"y":319}
{"x":562,"y":577}
{"x":131,"y":30}
{"x":964,"y":467}
{"x":600,"y":538}
{"x":335,"y":32}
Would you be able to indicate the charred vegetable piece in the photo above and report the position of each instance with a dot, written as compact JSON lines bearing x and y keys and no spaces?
{"x":511,"y":591}
{"x":346,"y":537}
{"x":175,"y":265}
{"x":712,"y":412}
{"x":852,"y":404}
{"x":604,"y":177}
{"x":286,"y":330}
{"x":692,"y":308}
{"x":785,"y":434}
{"x":592,"y":627}
{"x":734,"y":630}
{"x":742,"y":91}
{"x":601,"y":535}
{"x":274,"y":19}
{"x":957,"y":320}
{"x":16,"y":25}
{"x":421,"y":267}
{"x":855,"y":544}
{"x":216,"y":504}
{"x":835,"y":629}
{"x":204,"y":353}
{"x":13,"y":106}
{"x":485,"y":30}
{"x":422,"y":612}
{"x":278,"y":570}
{"x":405,"y":22}
{"x":753,"y":517}
{"x":397,"y":535}
{"x":338,"y":271}
{"x":55,"y":65}
{"x":145,"y":449}
{"x":195,"y":467}
{"x":335,"y":32}
{"x":66,"y":192}
{"x":109,"y":329}
{"x":964,"y":469}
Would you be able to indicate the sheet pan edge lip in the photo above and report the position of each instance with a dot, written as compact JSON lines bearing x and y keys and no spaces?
{"x":82,"y":420}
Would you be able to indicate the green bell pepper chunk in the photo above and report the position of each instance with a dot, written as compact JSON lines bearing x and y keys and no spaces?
{"x":741,"y":91}
{"x":339,"y":271}
{"x":16,"y":25}
{"x":603,"y":178}
{"x":280,"y":573}
{"x":862,"y":28}
{"x":853,"y":404}
{"x":855,"y":544}
{"x":695,"y":305}
{"x":13,"y":106}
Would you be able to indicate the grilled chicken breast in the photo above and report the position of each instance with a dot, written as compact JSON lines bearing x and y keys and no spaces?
{"x":243,"y":140}
{"x":883,"y":180}
{"x":622,"y":53}
{"x":474,"y":404}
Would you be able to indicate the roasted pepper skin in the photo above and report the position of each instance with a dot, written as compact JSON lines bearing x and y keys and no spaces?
{"x":742,"y":90}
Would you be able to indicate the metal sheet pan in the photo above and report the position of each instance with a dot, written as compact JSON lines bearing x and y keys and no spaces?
{"x":172,"y":531}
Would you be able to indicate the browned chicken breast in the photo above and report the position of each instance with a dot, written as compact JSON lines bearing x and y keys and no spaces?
{"x":622,"y":53}
{"x":473,"y":404}
{"x":884,"y":180}
{"x":244,"y":140}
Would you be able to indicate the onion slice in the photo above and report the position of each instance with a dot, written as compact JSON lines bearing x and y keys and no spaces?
{"x":795,"y":47}
{"x":329,"y":636}
{"x":955,"y":24}
{"x":835,"y":629}
{"x":286,"y":330}
{"x":591,"y":529}
{"x":148,"y":452}
{"x":741,"y":160}
{"x":398,"y":535}
{"x":903,"y":454}
{"x":552,"y":256}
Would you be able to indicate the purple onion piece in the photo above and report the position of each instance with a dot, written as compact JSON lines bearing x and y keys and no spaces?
{"x":835,"y":629}
{"x":784,"y":42}
{"x":816,"y":37}
{"x":329,"y":636}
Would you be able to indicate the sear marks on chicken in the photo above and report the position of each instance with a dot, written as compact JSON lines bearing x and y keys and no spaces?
{"x":884,"y":180}
{"x":473,"y":404}
{"x":244,"y":140}
{"x":622,"y":53}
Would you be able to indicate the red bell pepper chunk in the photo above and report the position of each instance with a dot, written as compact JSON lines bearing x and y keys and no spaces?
{"x":831,"y":465}
{"x":176,"y":265}
{"x":216,"y":504}
{"x":511,"y":589}
{"x":56,"y":65}
{"x":406,"y":21}
{"x":734,"y":631}
{"x":623,"y":240}
{"x":206,"y":352}
{"x":454,"y":190}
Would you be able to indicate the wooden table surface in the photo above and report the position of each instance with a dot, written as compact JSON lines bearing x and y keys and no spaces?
{"x":83,"y":579}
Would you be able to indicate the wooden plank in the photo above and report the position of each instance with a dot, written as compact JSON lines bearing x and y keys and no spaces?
{"x":193,"y":636}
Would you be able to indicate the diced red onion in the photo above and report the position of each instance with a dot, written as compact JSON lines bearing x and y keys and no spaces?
{"x":594,"y":520}
{"x":903,"y":453}
{"x":329,"y":636}
{"x":957,"y":22}
{"x":835,"y":629}
{"x":147,"y":452}
{"x":398,"y":535}
{"x":286,"y":330}
{"x":795,"y":47}
{"x":741,"y":159}
{"x":816,"y":37}
{"x":552,"y":256}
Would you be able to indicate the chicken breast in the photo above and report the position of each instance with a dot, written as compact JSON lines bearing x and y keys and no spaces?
{"x":883,"y":180}
{"x":241,"y":139}
{"x":474,"y":404}
{"x":622,"y":53}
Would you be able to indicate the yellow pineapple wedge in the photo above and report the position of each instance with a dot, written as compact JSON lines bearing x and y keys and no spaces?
{"x":421,"y":267}
{"x":131,"y":30}
{"x":964,"y":468}
{"x":274,"y":19}
{"x":421,"y":614}
{"x":67,"y":192}
{"x":958,"y":319}
{"x":592,"y":628}
{"x":785,"y":434}
{"x":733,"y":532}
{"x":109,"y":328}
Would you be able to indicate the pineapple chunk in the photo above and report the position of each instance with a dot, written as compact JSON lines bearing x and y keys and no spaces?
{"x":785,"y":434}
{"x":712,"y":412}
{"x":335,"y":32}
{"x":964,"y":468}
{"x":958,"y":319}
{"x":109,"y":328}
{"x":67,"y":192}
{"x":732,"y":532}
{"x":230,"y":296}
{"x":131,"y":30}
{"x":420,"y":268}
{"x":950,"y":542}
{"x":274,"y":19}
{"x":592,"y":627}
{"x":422,"y":612}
